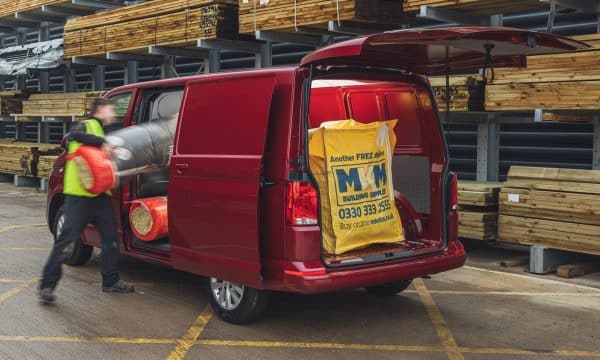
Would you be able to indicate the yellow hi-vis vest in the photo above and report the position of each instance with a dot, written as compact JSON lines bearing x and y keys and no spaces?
{"x":71,"y":183}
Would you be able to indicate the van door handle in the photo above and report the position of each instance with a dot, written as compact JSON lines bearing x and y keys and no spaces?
{"x":180,"y":168}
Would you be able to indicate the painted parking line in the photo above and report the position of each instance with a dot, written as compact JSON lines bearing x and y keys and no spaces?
{"x":302,"y":345}
{"x":14,"y":291}
{"x":25,"y":249}
{"x":80,"y":339}
{"x":24,"y":226}
{"x":438,"y":321}
{"x":184,"y":344}
{"x":512,"y":293}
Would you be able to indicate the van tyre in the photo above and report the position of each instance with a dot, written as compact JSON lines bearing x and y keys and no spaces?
{"x":236,"y":303}
{"x":78,"y":253}
{"x":389,"y":289}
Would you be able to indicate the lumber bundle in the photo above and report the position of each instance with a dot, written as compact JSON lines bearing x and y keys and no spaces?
{"x":11,"y":102}
{"x":44,"y":165}
{"x":21,"y":158}
{"x":59,"y":104}
{"x":590,"y":39}
{"x":478,"y":210}
{"x":9,"y":7}
{"x":291,"y":14}
{"x":466,"y":92}
{"x":554,"y":82}
{"x":483,"y":7}
{"x":557,"y":208}
{"x":159,"y":22}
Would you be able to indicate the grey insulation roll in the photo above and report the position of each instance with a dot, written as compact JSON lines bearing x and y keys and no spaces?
{"x":141,"y":147}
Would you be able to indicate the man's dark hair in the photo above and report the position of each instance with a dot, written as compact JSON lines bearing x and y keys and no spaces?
{"x":98,"y":102}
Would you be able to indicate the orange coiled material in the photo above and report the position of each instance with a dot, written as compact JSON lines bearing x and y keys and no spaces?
{"x":148,"y":218}
{"x":96,"y":171}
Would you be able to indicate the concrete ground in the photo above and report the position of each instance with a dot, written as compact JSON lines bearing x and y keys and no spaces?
{"x":476,"y":312}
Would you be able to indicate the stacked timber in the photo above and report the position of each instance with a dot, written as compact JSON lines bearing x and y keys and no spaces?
{"x":478,"y":210}
{"x":295,"y":14}
{"x":11,"y":102}
{"x":158,"y":22}
{"x":483,"y":7}
{"x":44,"y":165}
{"x":59,"y":104}
{"x":556,"y":208}
{"x":553,"y":82}
{"x":466,"y":92}
{"x":21,"y":158}
{"x":590,"y":39}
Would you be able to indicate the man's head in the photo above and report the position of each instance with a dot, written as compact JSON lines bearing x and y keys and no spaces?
{"x":104,"y":110}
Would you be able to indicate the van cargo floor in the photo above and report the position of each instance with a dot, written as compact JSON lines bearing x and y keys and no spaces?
{"x":373,"y":250}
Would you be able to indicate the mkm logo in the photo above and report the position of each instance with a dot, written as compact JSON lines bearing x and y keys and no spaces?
{"x":367,"y":177}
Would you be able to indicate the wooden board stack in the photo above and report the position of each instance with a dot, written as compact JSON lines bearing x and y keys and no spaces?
{"x":158,"y":22}
{"x":293,"y":15}
{"x":21,"y":158}
{"x":44,"y":165}
{"x":59,"y":104}
{"x":553,"y":82}
{"x":466,"y":92}
{"x":10,"y":102}
{"x":9,"y":7}
{"x":478,"y":210}
{"x":483,"y":7}
{"x":557,"y":208}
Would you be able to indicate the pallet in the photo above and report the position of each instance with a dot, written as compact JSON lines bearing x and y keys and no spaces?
{"x":481,"y":7}
{"x":283,"y":15}
{"x":467,"y":92}
{"x":160,"y":22}
{"x":556,"y":208}
{"x":57,"y":104}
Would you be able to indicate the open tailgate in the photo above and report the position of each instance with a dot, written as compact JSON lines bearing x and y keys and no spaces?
{"x":435,"y":51}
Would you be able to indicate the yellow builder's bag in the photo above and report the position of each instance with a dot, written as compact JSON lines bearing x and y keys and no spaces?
{"x":352,"y":165}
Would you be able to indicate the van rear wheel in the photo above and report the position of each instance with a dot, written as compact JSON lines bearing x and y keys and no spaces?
{"x":236,"y":303}
{"x":389,"y":289}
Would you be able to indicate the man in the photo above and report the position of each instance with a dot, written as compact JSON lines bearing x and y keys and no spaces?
{"x":83,"y":208}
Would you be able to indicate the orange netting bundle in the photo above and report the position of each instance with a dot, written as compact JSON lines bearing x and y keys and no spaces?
{"x":148,"y":218}
{"x":96,"y":171}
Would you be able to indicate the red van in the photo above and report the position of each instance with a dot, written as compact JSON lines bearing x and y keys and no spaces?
{"x":242,"y":202}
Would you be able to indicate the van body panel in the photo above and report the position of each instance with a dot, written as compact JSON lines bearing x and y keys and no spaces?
{"x":215,"y":177}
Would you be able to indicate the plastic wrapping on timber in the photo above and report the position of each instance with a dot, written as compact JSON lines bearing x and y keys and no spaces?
{"x":138,"y":149}
{"x":149,"y":218}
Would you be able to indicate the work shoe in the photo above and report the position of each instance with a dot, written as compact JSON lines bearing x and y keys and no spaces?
{"x":119,"y":287}
{"x":47,"y":296}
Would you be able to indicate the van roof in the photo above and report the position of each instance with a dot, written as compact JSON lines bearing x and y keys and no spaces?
{"x":278,"y":71}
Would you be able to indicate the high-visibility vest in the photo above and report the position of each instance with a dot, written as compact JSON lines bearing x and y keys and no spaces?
{"x":71,"y":183}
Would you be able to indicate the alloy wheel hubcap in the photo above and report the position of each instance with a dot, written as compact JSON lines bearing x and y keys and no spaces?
{"x":227,"y":294}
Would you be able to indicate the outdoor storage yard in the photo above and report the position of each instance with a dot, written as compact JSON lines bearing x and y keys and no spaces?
{"x":480,"y":311}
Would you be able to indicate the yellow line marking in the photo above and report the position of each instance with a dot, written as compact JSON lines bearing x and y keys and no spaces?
{"x":25,"y":249}
{"x":184,"y":344}
{"x":11,"y":281}
{"x":293,"y":344}
{"x":307,"y":345}
{"x":12,"y":292}
{"x":112,"y":340}
{"x":438,"y":321}
{"x":513,"y":293}
{"x":24,"y":226}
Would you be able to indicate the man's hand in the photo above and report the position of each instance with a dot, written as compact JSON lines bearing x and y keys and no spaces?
{"x":109,"y":150}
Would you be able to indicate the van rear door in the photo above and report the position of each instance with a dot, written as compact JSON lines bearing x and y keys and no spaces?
{"x":435,"y":51}
{"x":215,"y":177}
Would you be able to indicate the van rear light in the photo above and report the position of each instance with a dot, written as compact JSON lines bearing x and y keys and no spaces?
{"x":301,"y":204}
{"x":453,"y":191}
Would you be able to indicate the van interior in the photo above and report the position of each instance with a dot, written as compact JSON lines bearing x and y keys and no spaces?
{"x":365,"y":101}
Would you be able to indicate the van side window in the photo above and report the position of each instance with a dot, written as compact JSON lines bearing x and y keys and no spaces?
{"x":226,"y":117}
{"x":122,"y":102}
{"x":161,"y":103}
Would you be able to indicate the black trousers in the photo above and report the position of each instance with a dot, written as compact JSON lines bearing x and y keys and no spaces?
{"x":79,"y":212}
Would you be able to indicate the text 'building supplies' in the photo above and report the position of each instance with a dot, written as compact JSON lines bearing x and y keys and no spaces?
{"x":351,"y":163}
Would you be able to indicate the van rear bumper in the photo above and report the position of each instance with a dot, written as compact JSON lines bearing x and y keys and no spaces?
{"x":308,"y":280}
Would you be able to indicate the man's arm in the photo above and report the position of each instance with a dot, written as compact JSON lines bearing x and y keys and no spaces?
{"x":77,"y":133}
